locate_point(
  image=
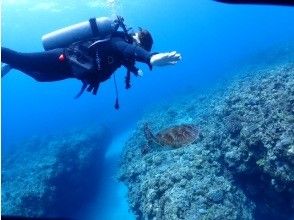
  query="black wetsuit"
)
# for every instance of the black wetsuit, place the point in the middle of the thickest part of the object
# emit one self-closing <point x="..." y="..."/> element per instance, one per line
<point x="55" y="64"/>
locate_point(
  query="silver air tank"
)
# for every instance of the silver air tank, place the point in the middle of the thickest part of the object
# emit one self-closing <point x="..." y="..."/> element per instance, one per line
<point x="78" y="32"/>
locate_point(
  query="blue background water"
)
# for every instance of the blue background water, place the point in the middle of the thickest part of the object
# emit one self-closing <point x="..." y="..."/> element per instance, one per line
<point x="210" y="36"/>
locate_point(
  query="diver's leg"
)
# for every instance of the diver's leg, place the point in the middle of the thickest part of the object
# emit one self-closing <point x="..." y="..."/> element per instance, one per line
<point x="5" y="69"/>
<point x="44" y="66"/>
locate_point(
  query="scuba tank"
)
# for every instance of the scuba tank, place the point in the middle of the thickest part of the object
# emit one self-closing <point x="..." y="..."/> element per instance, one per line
<point x="99" y="28"/>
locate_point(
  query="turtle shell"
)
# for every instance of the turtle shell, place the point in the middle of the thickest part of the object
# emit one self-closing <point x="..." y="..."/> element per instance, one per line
<point x="178" y="135"/>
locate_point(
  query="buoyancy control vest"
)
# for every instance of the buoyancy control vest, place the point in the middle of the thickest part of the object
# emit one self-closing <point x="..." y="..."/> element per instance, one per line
<point x="94" y="62"/>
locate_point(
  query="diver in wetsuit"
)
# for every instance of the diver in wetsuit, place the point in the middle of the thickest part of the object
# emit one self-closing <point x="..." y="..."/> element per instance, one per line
<point x="92" y="58"/>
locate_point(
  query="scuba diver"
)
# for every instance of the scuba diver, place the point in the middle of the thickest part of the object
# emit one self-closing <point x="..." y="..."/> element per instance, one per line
<point x="89" y="51"/>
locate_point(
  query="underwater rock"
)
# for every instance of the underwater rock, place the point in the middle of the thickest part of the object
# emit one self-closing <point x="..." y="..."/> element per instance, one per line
<point x="265" y="138"/>
<point x="181" y="184"/>
<point x="54" y="176"/>
<point x="241" y="168"/>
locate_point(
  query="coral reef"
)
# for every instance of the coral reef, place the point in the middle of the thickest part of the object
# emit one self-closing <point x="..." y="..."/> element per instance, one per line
<point x="54" y="176"/>
<point x="257" y="124"/>
<point x="240" y="168"/>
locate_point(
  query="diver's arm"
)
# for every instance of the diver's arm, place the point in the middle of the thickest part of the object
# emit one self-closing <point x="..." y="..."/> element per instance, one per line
<point x="136" y="52"/>
<point x="156" y="59"/>
<point x="163" y="59"/>
<point x="133" y="51"/>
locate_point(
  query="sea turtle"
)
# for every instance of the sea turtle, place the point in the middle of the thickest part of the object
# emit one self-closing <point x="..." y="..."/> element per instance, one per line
<point x="174" y="136"/>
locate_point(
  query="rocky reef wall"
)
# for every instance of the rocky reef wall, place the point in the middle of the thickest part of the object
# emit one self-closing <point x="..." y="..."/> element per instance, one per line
<point x="241" y="167"/>
<point x="54" y="176"/>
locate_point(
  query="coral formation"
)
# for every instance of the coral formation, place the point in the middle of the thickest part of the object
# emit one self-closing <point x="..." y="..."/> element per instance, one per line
<point x="240" y="168"/>
<point x="258" y="154"/>
<point x="54" y="176"/>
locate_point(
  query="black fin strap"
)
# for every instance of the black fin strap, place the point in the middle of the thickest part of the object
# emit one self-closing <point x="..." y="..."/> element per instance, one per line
<point x="82" y="90"/>
<point x="94" y="27"/>
<point x="116" y="105"/>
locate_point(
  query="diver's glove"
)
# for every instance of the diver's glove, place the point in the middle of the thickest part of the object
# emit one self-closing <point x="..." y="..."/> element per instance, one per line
<point x="163" y="59"/>
<point x="140" y="73"/>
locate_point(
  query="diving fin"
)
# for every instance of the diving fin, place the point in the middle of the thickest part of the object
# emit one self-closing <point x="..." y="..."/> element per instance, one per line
<point x="5" y="69"/>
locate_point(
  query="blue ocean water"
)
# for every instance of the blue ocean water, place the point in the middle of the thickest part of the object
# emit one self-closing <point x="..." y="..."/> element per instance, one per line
<point x="210" y="36"/>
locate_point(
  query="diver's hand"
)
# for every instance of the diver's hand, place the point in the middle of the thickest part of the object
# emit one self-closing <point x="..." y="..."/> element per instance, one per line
<point x="163" y="59"/>
<point x="140" y="73"/>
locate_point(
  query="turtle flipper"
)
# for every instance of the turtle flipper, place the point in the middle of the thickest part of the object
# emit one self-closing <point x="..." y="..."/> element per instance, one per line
<point x="149" y="135"/>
